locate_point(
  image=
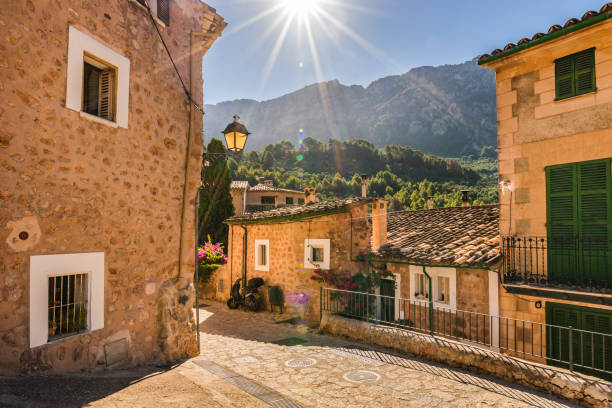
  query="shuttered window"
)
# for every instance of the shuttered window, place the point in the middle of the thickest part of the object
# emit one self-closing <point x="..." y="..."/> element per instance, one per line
<point x="587" y="348"/>
<point x="579" y="221"/>
<point x="575" y="74"/>
<point x="163" y="11"/>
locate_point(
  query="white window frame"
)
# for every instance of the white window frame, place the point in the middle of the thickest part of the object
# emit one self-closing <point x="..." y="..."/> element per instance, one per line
<point x="258" y="265"/>
<point x="79" y="44"/>
<point x="435" y="272"/>
<point x="44" y="266"/>
<point x="317" y="243"/>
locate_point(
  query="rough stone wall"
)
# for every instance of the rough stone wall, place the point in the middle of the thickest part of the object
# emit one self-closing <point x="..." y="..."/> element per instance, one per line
<point x="287" y="255"/>
<point x="580" y="389"/>
<point x="473" y="290"/>
<point x="82" y="186"/>
<point x="238" y="200"/>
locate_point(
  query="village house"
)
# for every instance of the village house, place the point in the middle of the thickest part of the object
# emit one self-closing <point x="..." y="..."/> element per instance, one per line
<point x="554" y="103"/>
<point x="458" y="248"/>
<point x="265" y="196"/>
<point x="100" y="149"/>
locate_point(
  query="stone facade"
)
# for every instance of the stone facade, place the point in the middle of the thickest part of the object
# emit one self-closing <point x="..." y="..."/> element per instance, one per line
<point x="535" y="130"/>
<point x="287" y="267"/>
<point x="74" y="184"/>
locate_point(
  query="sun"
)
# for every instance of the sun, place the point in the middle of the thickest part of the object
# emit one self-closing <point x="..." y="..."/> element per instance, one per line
<point x="301" y="8"/>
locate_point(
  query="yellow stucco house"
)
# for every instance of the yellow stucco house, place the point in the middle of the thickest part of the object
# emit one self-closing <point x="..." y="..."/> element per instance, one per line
<point x="554" y="104"/>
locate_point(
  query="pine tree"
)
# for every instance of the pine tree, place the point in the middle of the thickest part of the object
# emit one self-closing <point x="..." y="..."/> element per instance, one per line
<point x="215" y="199"/>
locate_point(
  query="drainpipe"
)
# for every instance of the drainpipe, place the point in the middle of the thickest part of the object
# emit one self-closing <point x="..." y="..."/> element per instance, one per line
<point x="430" y="299"/>
<point x="244" y="255"/>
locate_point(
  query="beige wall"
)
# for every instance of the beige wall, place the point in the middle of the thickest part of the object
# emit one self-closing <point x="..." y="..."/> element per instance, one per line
<point x="287" y="254"/>
<point x="81" y="186"/>
<point x="535" y="131"/>
<point x="238" y="200"/>
<point x="254" y="197"/>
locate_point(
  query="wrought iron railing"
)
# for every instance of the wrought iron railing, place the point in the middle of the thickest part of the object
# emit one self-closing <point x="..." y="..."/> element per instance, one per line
<point x="575" y="263"/>
<point x="590" y="352"/>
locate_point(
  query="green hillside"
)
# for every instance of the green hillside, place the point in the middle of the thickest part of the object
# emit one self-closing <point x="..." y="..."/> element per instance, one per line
<point x="401" y="174"/>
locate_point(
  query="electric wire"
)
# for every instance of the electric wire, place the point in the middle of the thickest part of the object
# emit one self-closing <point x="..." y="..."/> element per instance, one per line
<point x="187" y="93"/>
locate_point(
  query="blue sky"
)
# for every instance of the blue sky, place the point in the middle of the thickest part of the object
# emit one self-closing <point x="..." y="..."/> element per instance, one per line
<point x="364" y="40"/>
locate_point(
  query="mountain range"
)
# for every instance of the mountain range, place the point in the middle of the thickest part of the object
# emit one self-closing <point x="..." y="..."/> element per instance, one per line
<point x="448" y="110"/>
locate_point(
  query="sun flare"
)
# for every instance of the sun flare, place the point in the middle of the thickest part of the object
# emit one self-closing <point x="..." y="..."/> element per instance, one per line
<point x="300" y="8"/>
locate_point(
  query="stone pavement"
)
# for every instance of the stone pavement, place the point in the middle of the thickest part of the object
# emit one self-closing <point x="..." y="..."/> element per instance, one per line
<point x="320" y="371"/>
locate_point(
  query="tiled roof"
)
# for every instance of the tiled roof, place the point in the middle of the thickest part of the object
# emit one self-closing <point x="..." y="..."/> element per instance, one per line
<point x="310" y="209"/>
<point x="263" y="187"/>
<point x="446" y="236"/>
<point x="573" y="24"/>
<point x="239" y="185"/>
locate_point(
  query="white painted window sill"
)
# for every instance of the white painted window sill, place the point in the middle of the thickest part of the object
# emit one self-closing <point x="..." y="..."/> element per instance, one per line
<point x="262" y="268"/>
<point x="82" y="333"/>
<point x="97" y="119"/>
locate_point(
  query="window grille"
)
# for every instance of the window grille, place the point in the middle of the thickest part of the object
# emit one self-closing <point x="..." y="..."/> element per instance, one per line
<point x="67" y="305"/>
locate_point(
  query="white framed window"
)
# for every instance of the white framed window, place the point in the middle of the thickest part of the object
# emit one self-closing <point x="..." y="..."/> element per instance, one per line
<point x="66" y="295"/>
<point x="316" y="253"/>
<point x="421" y="290"/>
<point x="262" y="255"/>
<point x="442" y="290"/>
<point x="98" y="80"/>
<point x="443" y="282"/>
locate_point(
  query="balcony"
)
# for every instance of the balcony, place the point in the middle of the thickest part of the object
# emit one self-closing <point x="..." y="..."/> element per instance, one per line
<point x="571" y="267"/>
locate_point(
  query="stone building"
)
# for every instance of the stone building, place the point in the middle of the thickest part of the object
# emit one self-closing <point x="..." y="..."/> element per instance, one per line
<point x="100" y="151"/>
<point x="554" y="101"/>
<point x="285" y="245"/>
<point x="457" y="247"/>
<point x="264" y="196"/>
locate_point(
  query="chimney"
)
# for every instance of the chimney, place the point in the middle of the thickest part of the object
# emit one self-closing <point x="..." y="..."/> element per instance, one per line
<point x="379" y="224"/>
<point x="268" y="183"/>
<point x="430" y="203"/>
<point x="310" y="195"/>
<point x="364" y="179"/>
<point x="464" y="198"/>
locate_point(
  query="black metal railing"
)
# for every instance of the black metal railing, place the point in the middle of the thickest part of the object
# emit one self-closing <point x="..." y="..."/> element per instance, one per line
<point x="579" y="350"/>
<point x="577" y="263"/>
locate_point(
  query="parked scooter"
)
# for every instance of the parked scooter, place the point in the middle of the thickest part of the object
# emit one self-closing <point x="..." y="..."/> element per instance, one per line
<point x="248" y="296"/>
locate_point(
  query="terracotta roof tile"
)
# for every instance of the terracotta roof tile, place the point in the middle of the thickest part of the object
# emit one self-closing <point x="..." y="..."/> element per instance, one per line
<point x="606" y="8"/>
<point x="310" y="209"/>
<point x="455" y="236"/>
<point x="239" y="185"/>
<point x="263" y="187"/>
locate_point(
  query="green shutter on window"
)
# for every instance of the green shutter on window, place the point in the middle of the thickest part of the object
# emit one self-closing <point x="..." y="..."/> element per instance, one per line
<point x="564" y="77"/>
<point x="562" y="221"/>
<point x="575" y="74"/>
<point x="595" y="218"/>
<point x="587" y="348"/>
<point x="579" y="221"/>
<point x="584" y="72"/>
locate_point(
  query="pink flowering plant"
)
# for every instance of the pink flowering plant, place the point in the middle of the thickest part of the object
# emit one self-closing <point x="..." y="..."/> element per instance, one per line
<point x="210" y="258"/>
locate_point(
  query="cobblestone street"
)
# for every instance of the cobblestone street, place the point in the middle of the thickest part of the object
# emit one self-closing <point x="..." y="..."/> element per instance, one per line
<point x="319" y="371"/>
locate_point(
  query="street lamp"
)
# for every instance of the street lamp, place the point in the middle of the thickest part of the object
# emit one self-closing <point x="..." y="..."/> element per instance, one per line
<point x="236" y="135"/>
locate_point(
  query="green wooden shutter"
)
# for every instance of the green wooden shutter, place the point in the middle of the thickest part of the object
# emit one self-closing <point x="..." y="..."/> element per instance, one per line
<point x="593" y="344"/>
<point x="562" y="318"/>
<point x="562" y="221"/>
<point x="564" y="77"/>
<point x="595" y="221"/>
<point x="584" y="72"/>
